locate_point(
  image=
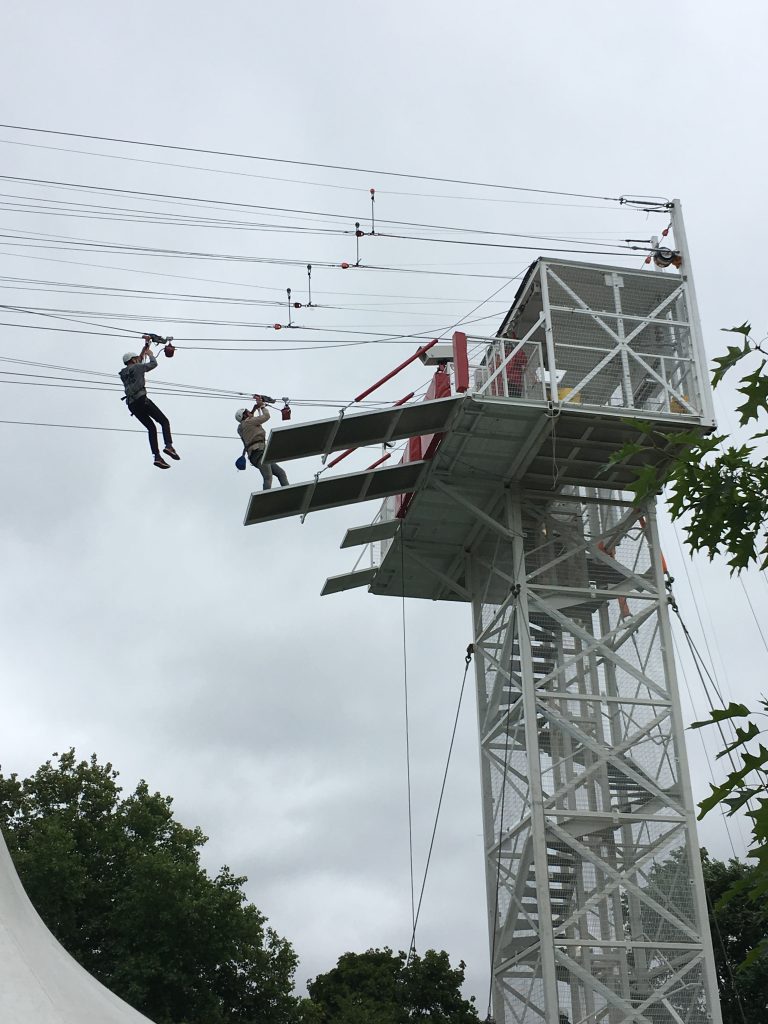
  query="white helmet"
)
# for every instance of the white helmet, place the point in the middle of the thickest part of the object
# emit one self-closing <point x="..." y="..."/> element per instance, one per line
<point x="239" y="415"/>
<point x="129" y="356"/>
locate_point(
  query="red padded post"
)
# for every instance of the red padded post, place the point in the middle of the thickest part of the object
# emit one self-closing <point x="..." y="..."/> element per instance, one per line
<point x="460" y="362"/>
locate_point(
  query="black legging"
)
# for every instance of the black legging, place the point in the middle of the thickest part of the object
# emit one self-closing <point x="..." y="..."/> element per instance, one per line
<point x="145" y="411"/>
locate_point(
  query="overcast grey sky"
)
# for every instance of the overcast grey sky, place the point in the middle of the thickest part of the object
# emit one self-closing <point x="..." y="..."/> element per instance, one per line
<point x="139" y="618"/>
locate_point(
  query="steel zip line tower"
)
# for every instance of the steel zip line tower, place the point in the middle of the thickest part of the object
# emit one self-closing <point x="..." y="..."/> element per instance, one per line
<point x="596" y="902"/>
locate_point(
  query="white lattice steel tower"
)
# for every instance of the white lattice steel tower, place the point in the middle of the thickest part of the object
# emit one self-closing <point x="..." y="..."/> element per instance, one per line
<point x="596" y="900"/>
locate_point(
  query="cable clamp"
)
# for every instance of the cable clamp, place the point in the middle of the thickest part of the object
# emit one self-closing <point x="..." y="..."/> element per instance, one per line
<point x="470" y="652"/>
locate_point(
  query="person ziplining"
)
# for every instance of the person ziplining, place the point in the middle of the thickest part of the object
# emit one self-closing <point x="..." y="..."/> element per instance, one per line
<point x="141" y="406"/>
<point x="252" y="434"/>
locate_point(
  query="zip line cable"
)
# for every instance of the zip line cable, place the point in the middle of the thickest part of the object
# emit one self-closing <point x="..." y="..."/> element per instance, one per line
<point x="465" y="319"/>
<point x="724" y="816"/>
<point x="63" y="313"/>
<point x="358" y="334"/>
<point x="17" y="237"/>
<point x="407" y="733"/>
<point x="301" y="181"/>
<point x="224" y="392"/>
<point x="155" y="317"/>
<point x="313" y="217"/>
<point x="196" y="297"/>
<point x="467" y="660"/>
<point x="180" y="391"/>
<point x="704" y="632"/>
<point x="53" y="316"/>
<point x="704" y="747"/>
<point x="181" y="277"/>
<point x="41" y="240"/>
<point x="116" y="249"/>
<point x="702" y="670"/>
<point x="307" y="163"/>
<point x="272" y="344"/>
<point x="115" y="430"/>
<point x="754" y="615"/>
<point x="125" y="215"/>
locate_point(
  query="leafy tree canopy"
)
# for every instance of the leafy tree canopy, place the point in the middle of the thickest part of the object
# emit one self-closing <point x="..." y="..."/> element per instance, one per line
<point x="720" y="489"/>
<point x="119" y="883"/>
<point x="382" y="987"/>
<point x="739" y="926"/>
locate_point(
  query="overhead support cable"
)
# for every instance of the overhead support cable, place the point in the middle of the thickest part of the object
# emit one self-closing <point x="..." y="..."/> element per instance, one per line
<point x="312" y="218"/>
<point x="309" y="163"/>
<point x="407" y="732"/>
<point x="467" y="661"/>
<point x="115" y="430"/>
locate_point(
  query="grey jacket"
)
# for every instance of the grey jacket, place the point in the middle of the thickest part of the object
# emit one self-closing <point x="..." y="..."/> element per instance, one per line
<point x="133" y="379"/>
<point x="252" y="432"/>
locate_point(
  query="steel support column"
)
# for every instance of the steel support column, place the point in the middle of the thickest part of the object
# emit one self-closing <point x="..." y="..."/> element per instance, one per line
<point x="595" y="894"/>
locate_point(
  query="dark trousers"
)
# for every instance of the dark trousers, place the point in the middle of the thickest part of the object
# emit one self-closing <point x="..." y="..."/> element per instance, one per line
<point x="145" y="411"/>
<point x="267" y="469"/>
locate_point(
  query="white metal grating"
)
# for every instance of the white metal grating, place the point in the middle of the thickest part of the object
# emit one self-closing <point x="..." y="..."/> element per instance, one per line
<point x="592" y="337"/>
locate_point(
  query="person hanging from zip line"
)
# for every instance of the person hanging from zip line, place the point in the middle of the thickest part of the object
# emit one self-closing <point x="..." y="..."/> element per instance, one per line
<point x="252" y="434"/>
<point x="143" y="408"/>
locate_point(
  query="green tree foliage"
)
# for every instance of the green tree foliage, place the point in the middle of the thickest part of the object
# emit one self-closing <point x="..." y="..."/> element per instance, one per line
<point x="382" y="987"/>
<point x="720" y="491"/>
<point x="119" y="883"/>
<point x="745" y="785"/>
<point x="739" y="926"/>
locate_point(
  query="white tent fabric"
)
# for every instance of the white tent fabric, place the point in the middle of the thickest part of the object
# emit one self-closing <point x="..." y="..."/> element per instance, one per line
<point x="40" y="983"/>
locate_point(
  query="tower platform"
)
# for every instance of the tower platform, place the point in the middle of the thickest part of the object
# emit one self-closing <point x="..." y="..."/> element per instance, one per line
<point x="488" y="445"/>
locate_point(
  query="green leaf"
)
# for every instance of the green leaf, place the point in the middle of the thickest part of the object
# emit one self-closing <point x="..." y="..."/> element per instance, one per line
<point x="754" y="955"/>
<point x="745" y="329"/>
<point x="734" y="354"/>
<point x="743" y="736"/>
<point x="646" y="483"/>
<point x="642" y="425"/>
<point x="755" y="389"/>
<point x="625" y="452"/>
<point x="722" y="714"/>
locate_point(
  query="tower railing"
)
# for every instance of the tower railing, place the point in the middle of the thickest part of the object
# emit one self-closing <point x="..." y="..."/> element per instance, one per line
<point x="589" y="336"/>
